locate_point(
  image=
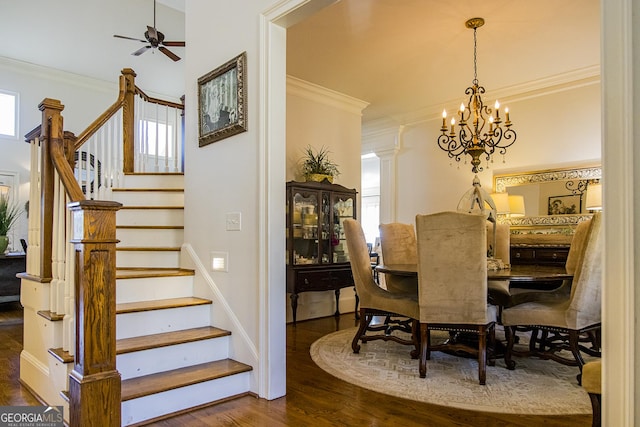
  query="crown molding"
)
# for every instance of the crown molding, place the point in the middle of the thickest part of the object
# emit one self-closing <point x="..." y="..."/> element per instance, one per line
<point x="53" y="74"/>
<point x="322" y="95"/>
<point x="536" y="88"/>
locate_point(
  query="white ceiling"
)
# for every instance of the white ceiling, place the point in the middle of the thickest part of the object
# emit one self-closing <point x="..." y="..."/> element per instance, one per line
<point x="77" y="36"/>
<point x="407" y="55"/>
<point x="398" y="55"/>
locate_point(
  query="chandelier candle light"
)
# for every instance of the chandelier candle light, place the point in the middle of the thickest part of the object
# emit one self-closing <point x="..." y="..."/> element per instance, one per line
<point x="479" y="132"/>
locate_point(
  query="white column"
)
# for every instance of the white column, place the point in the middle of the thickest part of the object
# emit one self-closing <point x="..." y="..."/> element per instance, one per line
<point x="386" y="144"/>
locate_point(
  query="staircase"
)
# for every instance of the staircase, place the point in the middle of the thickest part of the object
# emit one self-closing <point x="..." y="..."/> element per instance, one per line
<point x="168" y="354"/>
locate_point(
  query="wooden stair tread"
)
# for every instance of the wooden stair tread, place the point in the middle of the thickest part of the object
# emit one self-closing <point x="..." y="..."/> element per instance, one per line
<point x="153" y="173"/>
<point x="128" y="345"/>
<point x="152" y="190"/>
<point x="132" y="307"/>
<point x="61" y="355"/>
<point x="151" y="207"/>
<point x="164" y="381"/>
<point x="49" y="315"/>
<point x="148" y="248"/>
<point x="150" y="227"/>
<point x="141" y="272"/>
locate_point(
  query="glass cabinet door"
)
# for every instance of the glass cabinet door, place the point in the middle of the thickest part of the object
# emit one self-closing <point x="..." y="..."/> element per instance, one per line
<point x="343" y="208"/>
<point x="305" y="228"/>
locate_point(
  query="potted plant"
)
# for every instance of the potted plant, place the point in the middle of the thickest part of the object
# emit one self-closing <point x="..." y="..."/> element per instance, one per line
<point x="8" y="217"/>
<point x="316" y="165"/>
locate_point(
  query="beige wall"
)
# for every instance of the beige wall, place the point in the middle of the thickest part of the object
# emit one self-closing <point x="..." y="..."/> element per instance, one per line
<point x="320" y="117"/>
<point x="554" y="129"/>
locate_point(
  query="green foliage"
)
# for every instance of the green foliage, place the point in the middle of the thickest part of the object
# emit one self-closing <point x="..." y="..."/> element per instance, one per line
<point x="318" y="162"/>
<point x="8" y="215"/>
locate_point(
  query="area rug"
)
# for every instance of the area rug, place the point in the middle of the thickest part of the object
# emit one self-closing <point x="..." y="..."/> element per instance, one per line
<point x="538" y="387"/>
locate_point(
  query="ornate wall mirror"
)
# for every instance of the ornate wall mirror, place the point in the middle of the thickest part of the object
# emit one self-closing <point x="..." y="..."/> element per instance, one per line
<point x="554" y="199"/>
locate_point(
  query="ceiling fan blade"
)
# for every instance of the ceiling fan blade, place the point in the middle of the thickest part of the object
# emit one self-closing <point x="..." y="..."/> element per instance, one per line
<point x="176" y="44"/>
<point x="141" y="51"/>
<point x="169" y="53"/>
<point x="129" y="38"/>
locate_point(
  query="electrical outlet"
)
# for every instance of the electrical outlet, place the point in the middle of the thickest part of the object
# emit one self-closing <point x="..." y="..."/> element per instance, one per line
<point x="234" y="221"/>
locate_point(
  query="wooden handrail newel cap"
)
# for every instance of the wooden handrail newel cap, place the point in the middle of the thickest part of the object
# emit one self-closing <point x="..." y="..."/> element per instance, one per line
<point x="50" y="103"/>
<point x="102" y="205"/>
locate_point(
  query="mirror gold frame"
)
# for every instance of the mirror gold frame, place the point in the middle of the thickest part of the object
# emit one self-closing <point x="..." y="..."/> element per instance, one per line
<point x="556" y="223"/>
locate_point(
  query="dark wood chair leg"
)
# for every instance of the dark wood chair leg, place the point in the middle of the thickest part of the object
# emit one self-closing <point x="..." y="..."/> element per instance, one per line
<point x="492" y="346"/>
<point x="595" y="404"/>
<point x="510" y="332"/>
<point x="416" y="338"/>
<point x="482" y="355"/>
<point x="424" y="350"/>
<point x="365" y="319"/>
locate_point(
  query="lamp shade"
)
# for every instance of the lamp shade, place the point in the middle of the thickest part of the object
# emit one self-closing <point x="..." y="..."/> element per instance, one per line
<point x="502" y="202"/>
<point x="594" y="197"/>
<point x="516" y="205"/>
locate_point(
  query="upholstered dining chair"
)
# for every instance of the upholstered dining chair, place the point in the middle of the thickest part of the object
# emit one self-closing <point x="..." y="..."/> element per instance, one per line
<point x="452" y="283"/>
<point x="375" y="301"/>
<point x="563" y="292"/>
<point x="565" y="319"/>
<point x="499" y="290"/>
<point x="398" y="243"/>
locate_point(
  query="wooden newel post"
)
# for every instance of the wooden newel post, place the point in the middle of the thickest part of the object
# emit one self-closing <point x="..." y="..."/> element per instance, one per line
<point x="128" y="119"/>
<point x="52" y="128"/>
<point x="94" y="382"/>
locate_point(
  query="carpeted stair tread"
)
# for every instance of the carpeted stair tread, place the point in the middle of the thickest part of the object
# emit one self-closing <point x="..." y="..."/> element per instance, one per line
<point x="128" y="345"/>
<point x="132" y="307"/>
<point x="163" y="381"/>
<point x="142" y="272"/>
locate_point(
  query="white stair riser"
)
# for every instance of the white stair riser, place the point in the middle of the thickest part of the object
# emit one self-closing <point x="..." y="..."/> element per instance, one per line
<point x="150" y="237"/>
<point x="150" y="217"/>
<point x="157" y="321"/>
<point x="149" y="198"/>
<point x="155" y="259"/>
<point x="148" y="407"/>
<point x="153" y="288"/>
<point x="136" y="364"/>
<point x="153" y="181"/>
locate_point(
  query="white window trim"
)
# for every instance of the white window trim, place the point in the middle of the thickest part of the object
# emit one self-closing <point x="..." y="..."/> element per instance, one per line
<point x="16" y="96"/>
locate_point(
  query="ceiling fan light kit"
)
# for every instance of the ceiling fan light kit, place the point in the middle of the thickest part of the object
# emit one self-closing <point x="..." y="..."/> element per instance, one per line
<point x="155" y="40"/>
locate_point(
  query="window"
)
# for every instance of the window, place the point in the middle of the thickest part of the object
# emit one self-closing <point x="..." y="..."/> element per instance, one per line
<point x="370" y="199"/>
<point x="159" y="138"/>
<point x="8" y="114"/>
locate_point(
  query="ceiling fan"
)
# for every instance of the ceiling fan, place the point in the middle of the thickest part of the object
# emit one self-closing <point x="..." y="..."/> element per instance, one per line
<point x="155" y="39"/>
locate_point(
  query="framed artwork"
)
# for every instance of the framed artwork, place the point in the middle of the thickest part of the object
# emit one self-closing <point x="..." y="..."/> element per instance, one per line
<point x="222" y="101"/>
<point x="570" y="204"/>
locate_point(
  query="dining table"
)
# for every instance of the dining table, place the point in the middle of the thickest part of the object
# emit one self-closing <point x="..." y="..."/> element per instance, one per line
<point x="526" y="278"/>
<point x="532" y="277"/>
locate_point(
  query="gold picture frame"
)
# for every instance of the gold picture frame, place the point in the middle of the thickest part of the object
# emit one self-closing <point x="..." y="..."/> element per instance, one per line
<point x="222" y="101"/>
<point x="565" y="223"/>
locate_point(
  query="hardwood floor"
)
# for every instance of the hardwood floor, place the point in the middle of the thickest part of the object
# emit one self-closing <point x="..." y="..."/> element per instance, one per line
<point x="314" y="398"/>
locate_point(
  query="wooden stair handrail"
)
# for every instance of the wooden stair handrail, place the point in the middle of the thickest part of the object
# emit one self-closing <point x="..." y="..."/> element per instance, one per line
<point x="158" y="101"/>
<point x="126" y="80"/>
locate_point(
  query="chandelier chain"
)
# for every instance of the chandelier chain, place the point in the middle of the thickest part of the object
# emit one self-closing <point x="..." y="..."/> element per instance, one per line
<point x="475" y="57"/>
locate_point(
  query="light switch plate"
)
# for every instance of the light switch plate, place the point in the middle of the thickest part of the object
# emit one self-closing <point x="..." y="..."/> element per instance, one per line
<point x="234" y="221"/>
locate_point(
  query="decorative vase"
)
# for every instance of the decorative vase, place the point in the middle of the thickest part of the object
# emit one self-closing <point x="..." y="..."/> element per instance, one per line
<point x="319" y="177"/>
<point x="4" y="242"/>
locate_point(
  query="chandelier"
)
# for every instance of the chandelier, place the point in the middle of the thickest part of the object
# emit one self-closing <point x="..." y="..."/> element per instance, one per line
<point x="479" y="132"/>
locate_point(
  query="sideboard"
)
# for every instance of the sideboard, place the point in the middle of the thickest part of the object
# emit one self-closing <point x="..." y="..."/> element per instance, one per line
<point x="10" y="265"/>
